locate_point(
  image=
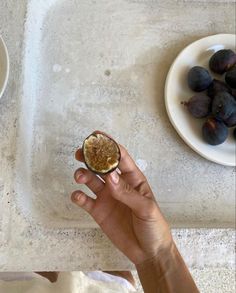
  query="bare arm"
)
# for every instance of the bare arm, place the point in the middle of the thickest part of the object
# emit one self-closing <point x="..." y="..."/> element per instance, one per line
<point x="126" y="210"/>
<point x="166" y="273"/>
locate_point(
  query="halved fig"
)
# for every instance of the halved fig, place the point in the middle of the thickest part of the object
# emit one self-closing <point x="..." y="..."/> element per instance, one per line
<point x="101" y="153"/>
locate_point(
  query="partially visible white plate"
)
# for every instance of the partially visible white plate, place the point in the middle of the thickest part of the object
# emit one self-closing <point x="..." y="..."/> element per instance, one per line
<point x="4" y="66"/>
<point x="177" y="90"/>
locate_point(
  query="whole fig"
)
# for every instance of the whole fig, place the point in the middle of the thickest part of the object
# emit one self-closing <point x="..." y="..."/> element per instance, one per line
<point x="223" y="105"/>
<point x="199" y="79"/>
<point x="222" y="61"/>
<point x="199" y="105"/>
<point x="214" y="131"/>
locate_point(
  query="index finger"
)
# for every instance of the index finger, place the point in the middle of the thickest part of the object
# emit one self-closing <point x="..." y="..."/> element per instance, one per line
<point x="131" y="173"/>
<point x="127" y="164"/>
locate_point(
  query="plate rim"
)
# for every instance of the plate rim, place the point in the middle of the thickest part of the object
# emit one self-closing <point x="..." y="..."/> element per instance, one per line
<point x="186" y="140"/>
<point x="7" y="66"/>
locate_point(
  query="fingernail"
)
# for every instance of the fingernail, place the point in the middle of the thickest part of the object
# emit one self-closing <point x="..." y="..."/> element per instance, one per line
<point x="114" y="177"/>
<point x="79" y="175"/>
<point x="76" y="196"/>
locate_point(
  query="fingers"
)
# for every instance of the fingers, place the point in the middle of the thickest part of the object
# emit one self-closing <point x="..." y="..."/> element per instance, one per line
<point x="127" y="164"/>
<point x="79" y="155"/>
<point x="83" y="201"/>
<point x="130" y="172"/>
<point x="84" y="176"/>
<point x="121" y="191"/>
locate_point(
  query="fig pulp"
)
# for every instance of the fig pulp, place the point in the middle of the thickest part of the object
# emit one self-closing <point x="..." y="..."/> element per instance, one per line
<point x="101" y="153"/>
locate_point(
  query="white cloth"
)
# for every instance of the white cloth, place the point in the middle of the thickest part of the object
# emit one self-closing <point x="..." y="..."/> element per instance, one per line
<point x="101" y="276"/>
<point x="68" y="282"/>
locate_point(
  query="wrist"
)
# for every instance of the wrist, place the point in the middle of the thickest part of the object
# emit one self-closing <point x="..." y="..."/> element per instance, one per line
<point x="163" y="248"/>
<point x="166" y="272"/>
<point x="164" y="253"/>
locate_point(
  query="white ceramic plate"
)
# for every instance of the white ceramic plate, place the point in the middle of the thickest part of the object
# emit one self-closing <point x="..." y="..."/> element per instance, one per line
<point x="4" y="66"/>
<point x="177" y="90"/>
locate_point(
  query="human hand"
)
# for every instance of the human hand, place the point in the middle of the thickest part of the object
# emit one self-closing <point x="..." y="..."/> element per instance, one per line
<point x="125" y="209"/>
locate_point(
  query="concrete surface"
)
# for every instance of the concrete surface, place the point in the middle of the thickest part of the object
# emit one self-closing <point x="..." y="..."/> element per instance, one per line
<point x="27" y="245"/>
<point x="207" y="280"/>
<point x="67" y="93"/>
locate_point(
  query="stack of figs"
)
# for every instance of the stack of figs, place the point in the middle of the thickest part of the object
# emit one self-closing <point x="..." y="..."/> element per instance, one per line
<point x="214" y="99"/>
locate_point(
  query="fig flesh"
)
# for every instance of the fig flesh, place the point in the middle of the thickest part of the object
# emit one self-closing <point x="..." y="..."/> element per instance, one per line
<point x="101" y="153"/>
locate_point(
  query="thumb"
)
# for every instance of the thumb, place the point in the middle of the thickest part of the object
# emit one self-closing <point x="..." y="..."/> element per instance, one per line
<point x="123" y="192"/>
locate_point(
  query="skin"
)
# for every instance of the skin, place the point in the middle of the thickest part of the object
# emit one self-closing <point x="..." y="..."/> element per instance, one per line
<point x="126" y="211"/>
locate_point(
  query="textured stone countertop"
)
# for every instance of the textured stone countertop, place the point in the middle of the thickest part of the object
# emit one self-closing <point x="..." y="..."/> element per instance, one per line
<point x="27" y="248"/>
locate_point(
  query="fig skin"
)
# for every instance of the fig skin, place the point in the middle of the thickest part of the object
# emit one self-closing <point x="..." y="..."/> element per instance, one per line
<point x="214" y="131"/>
<point x="223" y="105"/>
<point x="199" y="105"/>
<point x="86" y="162"/>
<point x="234" y="133"/>
<point x="231" y="121"/>
<point x="217" y="86"/>
<point x="222" y="61"/>
<point x="230" y="78"/>
<point x="198" y="79"/>
<point x="234" y="93"/>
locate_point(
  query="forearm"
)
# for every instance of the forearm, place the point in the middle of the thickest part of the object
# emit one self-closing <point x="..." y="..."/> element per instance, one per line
<point x="166" y="273"/>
